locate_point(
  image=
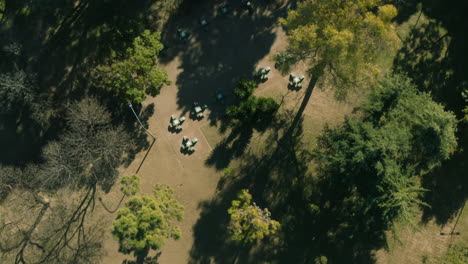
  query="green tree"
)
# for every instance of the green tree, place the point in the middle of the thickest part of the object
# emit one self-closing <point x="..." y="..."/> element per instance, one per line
<point x="135" y="74"/>
<point x="248" y="221"/>
<point x="340" y="41"/>
<point x="245" y="88"/>
<point x="401" y="135"/>
<point x="456" y="254"/>
<point x="146" y="222"/>
<point x="254" y="111"/>
<point x="321" y="260"/>
<point x="341" y="38"/>
<point x="130" y="185"/>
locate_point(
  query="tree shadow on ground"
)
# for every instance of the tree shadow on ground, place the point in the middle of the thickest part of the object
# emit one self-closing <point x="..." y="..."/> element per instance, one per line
<point x="147" y="260"/>
<point x="447" y="185"/>
<point x="231" y="147"/>
<point x="434" y="56"/>
<point x="62" y="42"/>
<point x="279" y="179"/>
<point x="426" y="57"/>
<point x="218" y="54"/>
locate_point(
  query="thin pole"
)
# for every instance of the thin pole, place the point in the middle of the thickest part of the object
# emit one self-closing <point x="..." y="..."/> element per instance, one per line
<point x="141" y="124"/>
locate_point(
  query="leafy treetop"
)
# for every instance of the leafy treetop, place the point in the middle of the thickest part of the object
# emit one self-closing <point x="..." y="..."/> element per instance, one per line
<point x="131" y="184"/>
<point x="135" y="74"/>
<point x="344" y="38"/>
<point x="146" y="221"/>
<point x="249" y="222"/>
<point x="403" y="134"/>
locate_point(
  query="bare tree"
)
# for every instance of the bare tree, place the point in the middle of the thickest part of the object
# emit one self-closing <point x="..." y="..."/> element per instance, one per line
<point x="36" y="230"/>
<point x="89" y="152"/>
<point x="16" y="90"/>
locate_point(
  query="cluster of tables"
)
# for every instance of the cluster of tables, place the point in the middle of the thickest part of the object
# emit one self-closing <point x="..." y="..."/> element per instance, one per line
<point x="189" y="145"/>
<point x="295" y="81"/>
<point x="175" y="124"/>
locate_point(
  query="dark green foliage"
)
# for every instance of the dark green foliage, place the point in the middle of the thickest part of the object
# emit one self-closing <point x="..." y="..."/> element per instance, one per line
<point x="403" y="134"/>
<point x="135" y="74"/>
<point x="396" y="104"/>
<point x="251" y="111"/>
<point x="456" y="254"/>
<point x="254" y="111"/>
<point x="245" y="88"/>
<point x="284" y="61"/>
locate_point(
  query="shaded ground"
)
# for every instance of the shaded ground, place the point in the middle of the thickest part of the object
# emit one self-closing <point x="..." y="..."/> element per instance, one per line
<point x="213" y="59"/>
<point x="197" y="185"/>
<point x="62" y="41"/>
<point x="433" y="54"/>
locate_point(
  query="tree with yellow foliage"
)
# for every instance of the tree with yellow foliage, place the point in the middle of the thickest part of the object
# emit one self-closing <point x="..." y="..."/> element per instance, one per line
<point x="248" y="221"/>
<point x="340" y="40"/>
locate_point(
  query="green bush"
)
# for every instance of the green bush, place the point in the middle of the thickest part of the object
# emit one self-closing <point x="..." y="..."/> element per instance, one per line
<point x="456" y="254"/>
<point x="245" y="88"/>
<point x="254" y="111"/>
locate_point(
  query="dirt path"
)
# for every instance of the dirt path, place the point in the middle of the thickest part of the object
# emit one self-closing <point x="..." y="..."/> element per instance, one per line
<point x="191" y="179"/>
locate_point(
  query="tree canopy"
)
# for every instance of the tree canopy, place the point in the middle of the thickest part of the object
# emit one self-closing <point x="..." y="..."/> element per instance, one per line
<point x="135" y="74"/>
<point x="456" y="254"/>
<point x="248" y="221"/>
<point x="251" y="110"/>
<point x="89" y="152"/>
<point x="130" y="185"/>
<point x="342" y="38"/>
<point x="146" y="221"/>
<point x="403" y="134"/>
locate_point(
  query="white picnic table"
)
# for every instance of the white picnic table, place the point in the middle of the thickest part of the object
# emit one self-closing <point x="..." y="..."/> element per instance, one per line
<point x="175" y="122"/>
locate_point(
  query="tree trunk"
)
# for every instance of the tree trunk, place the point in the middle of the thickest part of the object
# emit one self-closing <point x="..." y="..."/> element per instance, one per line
<point x="318" y="70"/>
<point x="140" y="259"/>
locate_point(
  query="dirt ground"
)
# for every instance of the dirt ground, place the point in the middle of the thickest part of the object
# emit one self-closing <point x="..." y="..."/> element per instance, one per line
<point x="211" y="61"/>
<point x="193" y="181"/>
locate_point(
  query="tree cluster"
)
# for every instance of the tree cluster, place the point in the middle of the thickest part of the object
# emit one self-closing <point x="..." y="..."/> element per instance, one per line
<point x="380" y="157"/>
<point x="252" y="111"/>
<point x="84" y="157"/>
<point x="340" y="40"/>
<point x="146" y="222"/>
<point x="249" y="222"/>
<point x="133" y="75"/>
<point x="89" y="152"/>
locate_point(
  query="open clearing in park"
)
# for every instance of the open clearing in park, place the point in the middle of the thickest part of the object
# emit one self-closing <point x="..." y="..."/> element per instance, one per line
<point x="326" y="189"/>
<point x="212" y="61"/>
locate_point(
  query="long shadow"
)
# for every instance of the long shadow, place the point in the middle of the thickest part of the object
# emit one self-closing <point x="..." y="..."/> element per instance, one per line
<point x="219" y="53"/>
<point x="62" y="42"/>
<point x="427" y="58"/>
<point x="447" y="185"/>
<point x="434" y="55"/>
<point x="279" y="179"/>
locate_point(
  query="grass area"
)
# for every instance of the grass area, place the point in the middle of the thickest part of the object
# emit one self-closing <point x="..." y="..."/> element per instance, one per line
<point x="426" y="56"/>
<point x="274" y="169"/>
